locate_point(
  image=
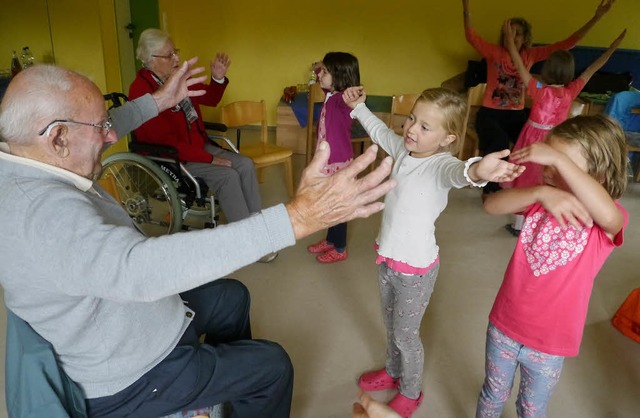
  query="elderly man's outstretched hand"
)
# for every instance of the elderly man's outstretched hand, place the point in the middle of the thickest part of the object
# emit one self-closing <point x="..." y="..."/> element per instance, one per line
<point x="325" y="200"/>
<point x="177" y="86"/>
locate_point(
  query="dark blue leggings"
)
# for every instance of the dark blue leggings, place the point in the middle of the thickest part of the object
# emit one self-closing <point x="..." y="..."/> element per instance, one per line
<point x="337" y="235"/>
<point x="254" y="376"/>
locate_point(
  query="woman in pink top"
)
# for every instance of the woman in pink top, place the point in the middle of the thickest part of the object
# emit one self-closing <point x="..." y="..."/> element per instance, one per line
<point x="502" y="115"/>
<point x="552" y="98"/>
<point x="573" y="222"/>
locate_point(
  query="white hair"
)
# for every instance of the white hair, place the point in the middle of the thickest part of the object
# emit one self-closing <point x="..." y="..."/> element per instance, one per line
<point x="150" y="42"/>
<point x="43" y="96"/>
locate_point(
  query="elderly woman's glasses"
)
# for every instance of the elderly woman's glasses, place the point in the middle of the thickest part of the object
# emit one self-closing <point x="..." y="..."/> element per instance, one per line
<point x="104" y="127"/>
<point x="173" y="54"/>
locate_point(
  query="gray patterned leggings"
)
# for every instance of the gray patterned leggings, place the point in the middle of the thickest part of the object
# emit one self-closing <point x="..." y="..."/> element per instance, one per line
<point x="404" y="299"/>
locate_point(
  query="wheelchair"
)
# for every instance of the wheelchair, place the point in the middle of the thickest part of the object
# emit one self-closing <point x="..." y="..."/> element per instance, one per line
<point x="155" y="188"/>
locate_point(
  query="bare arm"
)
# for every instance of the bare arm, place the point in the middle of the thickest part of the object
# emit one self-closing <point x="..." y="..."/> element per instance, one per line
<point x="509" y="36"/>
<point x="602" y="59"/>
<point x="466" y="15"/>
<point x="590" y="193"/>
<point x="601" y="10"/>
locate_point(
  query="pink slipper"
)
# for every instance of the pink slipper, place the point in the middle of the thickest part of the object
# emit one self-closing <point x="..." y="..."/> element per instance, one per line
<point x="405" y="406"/>
<point x="320" y="247"/>
<point x="377" y="380"/>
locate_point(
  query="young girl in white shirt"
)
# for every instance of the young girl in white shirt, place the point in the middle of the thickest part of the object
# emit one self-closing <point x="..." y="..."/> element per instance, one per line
<point x="425" y="171"/>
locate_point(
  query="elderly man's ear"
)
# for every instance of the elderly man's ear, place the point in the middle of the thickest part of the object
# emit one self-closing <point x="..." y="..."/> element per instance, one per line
<point x="58" y="141"/>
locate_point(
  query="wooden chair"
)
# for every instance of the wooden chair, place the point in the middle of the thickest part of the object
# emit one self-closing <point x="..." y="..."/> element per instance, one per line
<point x="242" y="113"/>
<point x="401" y="106"/>
<point x="469" y="139"/>
<point x="316" y="95"/>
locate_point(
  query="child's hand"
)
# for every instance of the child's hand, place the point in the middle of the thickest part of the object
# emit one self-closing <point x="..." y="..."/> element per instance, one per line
<point x="539" y="153"/>
<point x="354" y="95"/>
<point x="564" y="207"/>
<point x="493" y="168"/>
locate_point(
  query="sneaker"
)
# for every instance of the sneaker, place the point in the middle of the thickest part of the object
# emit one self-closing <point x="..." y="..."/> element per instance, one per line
<point x="405" y="406"/>
<point x="320" y="247"/>
<point x="332" y="256"/>
<point x="512" y="230"/>
<point x="268" y="258"/>
<point x="378" y="380"/>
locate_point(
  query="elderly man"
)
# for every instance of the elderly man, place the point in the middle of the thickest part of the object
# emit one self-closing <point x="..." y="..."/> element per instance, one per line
<point x="122" y="311"/>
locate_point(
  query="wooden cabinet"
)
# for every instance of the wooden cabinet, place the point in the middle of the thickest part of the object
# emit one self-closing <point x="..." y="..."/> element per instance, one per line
<point x="288" y="131"/>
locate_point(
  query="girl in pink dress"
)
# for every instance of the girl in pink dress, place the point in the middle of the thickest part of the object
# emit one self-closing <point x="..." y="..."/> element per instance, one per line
<point x="552" y="98"/>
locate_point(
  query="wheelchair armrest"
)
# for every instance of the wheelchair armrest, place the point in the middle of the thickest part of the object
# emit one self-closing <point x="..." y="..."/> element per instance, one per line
<point x="227" y="142"/>
<point x="215" y="126"/>
<point x="153" y="149"/>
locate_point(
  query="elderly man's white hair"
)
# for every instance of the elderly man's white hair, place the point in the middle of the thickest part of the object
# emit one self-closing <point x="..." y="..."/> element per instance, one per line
<point x="150" y="42"/>
<point x="43" y="95"/>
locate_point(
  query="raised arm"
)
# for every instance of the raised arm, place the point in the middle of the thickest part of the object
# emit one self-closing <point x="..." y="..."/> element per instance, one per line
<point x="466" y="15"/>
<point x="601" y="10"/>
<point x="509" y="36"/>
<point x="602" y="59"/>
<point x="599" y="205"/>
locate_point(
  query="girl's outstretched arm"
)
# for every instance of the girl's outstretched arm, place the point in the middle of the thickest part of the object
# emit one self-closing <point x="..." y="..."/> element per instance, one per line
<point x="509" y="36"/>
<point x="602" y="59"/>
<point x="493" y="168"/>
<point x="586" y="189"/>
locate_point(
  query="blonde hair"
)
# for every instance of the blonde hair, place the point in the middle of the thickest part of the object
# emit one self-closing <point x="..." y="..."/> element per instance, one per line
<point x="453" y="107"/>
<point x="604" y="147"/>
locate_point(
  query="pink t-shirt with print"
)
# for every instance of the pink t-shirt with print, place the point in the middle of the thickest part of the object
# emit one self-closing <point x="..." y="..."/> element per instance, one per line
<point x="543" y="300"/>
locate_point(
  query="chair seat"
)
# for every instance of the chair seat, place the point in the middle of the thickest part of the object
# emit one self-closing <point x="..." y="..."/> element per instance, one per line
<point x="266" y="153"/>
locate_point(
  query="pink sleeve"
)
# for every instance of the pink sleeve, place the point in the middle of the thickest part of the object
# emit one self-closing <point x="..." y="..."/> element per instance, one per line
<point x="491" y="52"/>
<point x="540" y="53"/>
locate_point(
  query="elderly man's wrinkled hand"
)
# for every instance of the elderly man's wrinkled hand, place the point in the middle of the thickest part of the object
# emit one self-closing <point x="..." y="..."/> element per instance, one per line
<point x="325" y="200"/>
<point x="177" y="86"/>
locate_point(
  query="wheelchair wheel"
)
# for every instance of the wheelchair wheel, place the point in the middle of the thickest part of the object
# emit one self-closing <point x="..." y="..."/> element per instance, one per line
<point x="145" y="192"/>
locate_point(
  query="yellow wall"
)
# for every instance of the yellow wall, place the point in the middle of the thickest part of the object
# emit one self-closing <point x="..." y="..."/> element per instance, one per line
<point x="402" y="46"/>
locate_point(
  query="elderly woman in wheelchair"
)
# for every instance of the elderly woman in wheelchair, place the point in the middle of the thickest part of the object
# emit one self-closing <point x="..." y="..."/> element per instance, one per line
<point x="184" y="153"/>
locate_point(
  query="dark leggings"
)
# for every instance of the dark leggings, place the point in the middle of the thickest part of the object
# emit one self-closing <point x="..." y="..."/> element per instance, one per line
<point x="498" y="130"/>
<point x="337" y="235"/>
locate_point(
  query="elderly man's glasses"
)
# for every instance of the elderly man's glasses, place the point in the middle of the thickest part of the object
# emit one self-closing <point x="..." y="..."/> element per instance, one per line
<point x="104" y="127"/>
<point x="173" y="54"/>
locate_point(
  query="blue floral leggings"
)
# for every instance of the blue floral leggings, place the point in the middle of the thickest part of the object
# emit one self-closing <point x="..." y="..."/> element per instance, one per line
<point x="539" y="374"/>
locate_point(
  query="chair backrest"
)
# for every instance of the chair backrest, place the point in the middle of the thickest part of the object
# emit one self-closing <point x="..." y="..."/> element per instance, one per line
<point x="246" y="112"/>
<point x="469" y="138"/>
<point x="316" y="95"/>
<point x="401" y="106"/>
<point x="578" y="107"/>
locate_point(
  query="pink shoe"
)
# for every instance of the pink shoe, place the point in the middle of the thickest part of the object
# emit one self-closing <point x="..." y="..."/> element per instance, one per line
<point x="405" y="406"/>
<point x="377" y="380"/>
<point x="332" y="256"/>
<point x="320" y="247"/>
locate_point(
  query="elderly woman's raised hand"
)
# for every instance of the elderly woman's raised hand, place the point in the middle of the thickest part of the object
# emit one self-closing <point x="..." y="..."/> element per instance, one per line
<point x="220" y="65"/>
